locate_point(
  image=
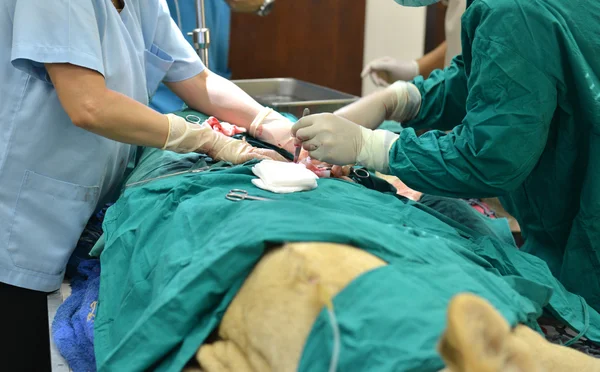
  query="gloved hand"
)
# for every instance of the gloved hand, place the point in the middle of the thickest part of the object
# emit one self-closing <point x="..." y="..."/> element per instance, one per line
<point x="338" y="141"/>
<point x="187" y="137"/>
<point x="387" y="70"/>
<point x="273" y="128"/>
<point x="400" y="101"/>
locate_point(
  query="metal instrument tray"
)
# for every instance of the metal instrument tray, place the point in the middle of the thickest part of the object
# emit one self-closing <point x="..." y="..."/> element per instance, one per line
<point x="292" y="95"/>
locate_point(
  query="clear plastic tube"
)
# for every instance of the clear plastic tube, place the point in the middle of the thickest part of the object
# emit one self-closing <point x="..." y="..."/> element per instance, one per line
<point x="178" y="11"/>
<point x="335" y="353"/>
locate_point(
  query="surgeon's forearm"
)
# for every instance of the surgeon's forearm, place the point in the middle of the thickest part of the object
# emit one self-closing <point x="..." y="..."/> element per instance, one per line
<point x="433" y="60"/>
<point x="123" y="119"/>
<point x="213" y="95"/>
<point x="93" y="107"/>
<point x="369" y="111"/>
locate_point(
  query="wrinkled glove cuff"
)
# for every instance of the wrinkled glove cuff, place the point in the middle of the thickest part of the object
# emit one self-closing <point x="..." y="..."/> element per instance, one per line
<point x="417" y="70"/>
<point x="164" y="147"/>
<point x="258" y="120"/>
<point x="375" y="152"/>
<point x="270" y="127"/>
<point x="408" y="101"/>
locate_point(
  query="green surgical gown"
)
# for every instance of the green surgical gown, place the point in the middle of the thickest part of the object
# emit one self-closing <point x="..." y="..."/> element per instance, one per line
<point x="523" y="103"/>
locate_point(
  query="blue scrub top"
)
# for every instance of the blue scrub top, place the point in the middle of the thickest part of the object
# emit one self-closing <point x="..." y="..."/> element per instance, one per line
<point x="218" y="20"/>
<point x="52" y="173"/>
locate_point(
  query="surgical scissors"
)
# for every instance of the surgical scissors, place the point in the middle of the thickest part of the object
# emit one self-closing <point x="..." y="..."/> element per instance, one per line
<point x="237" y="195"/>
<point x="360" y="172"/>
<point x="357" y="172"/>
<point x="193" y="119"/>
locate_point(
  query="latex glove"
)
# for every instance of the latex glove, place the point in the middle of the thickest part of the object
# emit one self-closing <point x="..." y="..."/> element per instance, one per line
<point x="187" y="137"/>
<point x="384" y="71"/>
<point x="273" y="128"/>
<point x="400" y="101"/>
<point x="338" y="141"/>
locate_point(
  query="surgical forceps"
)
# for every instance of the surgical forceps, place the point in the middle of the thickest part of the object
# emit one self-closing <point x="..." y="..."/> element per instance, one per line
<point x="198" y="170"/>
<point x="306" y="112"/>
<point x="238" y="195"/>
<point x="357" y="172"/>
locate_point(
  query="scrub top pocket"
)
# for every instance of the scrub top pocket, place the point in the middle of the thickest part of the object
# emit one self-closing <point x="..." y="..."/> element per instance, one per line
<point x="157" y="64"/>
<point x="48" y="219"/>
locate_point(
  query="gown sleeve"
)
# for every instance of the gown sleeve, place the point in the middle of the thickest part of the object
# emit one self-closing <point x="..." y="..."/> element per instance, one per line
<point x="509" y="109"/>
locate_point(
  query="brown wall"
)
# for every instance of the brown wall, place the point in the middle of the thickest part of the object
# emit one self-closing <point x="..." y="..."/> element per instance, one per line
<point x="434" y="26"/>
<point x="320" y="41"/>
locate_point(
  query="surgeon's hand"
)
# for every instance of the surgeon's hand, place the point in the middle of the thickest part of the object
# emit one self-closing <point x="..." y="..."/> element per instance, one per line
<point x="338" y="141"/>
<point x="245" y="6"/>
<point x="273" y="128"/>
<point x="187" y="137"/>
<point x="329" y="138"/>
<point x="384" y="71"/>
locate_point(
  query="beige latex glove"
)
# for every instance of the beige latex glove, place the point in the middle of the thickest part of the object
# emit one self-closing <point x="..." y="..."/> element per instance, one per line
<point x="400" y="101"/>
<point x="384" y="71"/>
<point x="271" y="127"/>
<point x="187" y="137"/>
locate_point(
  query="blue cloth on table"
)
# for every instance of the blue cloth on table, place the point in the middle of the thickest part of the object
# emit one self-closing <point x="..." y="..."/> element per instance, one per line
<point x="392" y="126"/>
<point x="73" y="325"/>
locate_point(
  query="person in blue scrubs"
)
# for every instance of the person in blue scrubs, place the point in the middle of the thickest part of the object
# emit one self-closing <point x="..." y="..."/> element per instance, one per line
<point x="75" y="82"/>
<point x="218" y="20"/>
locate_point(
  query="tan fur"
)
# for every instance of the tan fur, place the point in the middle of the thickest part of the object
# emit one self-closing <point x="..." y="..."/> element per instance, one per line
<point x="268" y="322"/>
<point x="478" y="339"/>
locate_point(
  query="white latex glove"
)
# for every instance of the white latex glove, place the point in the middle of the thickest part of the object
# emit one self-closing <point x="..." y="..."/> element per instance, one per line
<point x="384" y="71"/>
<point x="187" y="137"/>
<point x="273" y="128"/>
<point x="338" y="141"/>
<point x="400" y="101"/>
